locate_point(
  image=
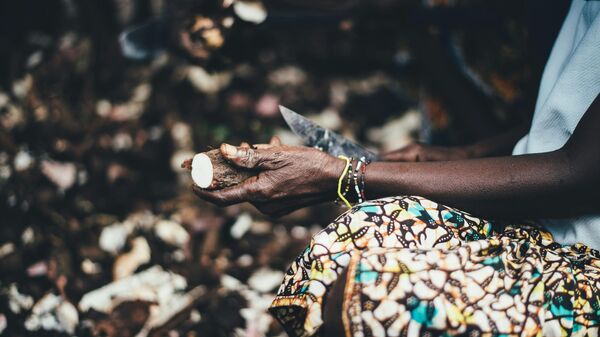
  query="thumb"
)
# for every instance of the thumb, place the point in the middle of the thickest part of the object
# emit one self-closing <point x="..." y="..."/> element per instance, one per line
<point x="399" y="155"/>
<point x="245" y="157"/>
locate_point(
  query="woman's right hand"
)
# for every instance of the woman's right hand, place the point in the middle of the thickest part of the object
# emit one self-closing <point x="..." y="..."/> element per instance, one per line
<point x="289" y="177"/>
<point x="419" y="152"/>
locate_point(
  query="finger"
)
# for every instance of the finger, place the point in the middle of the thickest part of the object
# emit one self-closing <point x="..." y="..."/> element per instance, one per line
<point x="393" y="156"/>
<point x="399" y="155"/>
<point x="275" y="141"/>
<point x="247" y="157"/>
<point x="386" y="156"/>
<point x="241" y="156"/>
<point x="224" y="197"/>
<point x="245" y="145"/>
<point x="262" y="146"/>
<point x="227" y="196"/>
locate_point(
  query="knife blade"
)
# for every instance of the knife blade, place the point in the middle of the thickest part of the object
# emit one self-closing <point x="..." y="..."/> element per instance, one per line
<point x="322" y="138"/>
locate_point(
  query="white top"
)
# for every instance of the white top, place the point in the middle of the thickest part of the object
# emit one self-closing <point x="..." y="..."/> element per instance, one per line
<point x="570" y="83"/>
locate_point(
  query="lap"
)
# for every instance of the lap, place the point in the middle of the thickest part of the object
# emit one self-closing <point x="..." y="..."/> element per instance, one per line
<point x="510" y="284"/>
<point x="386" y="241"/>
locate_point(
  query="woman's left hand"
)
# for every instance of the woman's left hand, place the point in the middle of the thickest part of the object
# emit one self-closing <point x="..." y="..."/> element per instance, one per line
<point x="289" y="178"/>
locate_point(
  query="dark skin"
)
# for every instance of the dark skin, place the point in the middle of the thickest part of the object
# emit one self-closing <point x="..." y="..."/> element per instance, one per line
<point x="507" y="187"/>
<point x="500" y="145"/>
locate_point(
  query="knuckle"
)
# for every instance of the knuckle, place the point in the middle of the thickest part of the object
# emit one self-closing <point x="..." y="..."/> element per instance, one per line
<point x="260" y="163"/>
<point x="264" y="193"/>
<point x="282" y="160"/>
<point x="246" y="156"/>
<point x="253" y="189"/>
<point x="266" y="162"/>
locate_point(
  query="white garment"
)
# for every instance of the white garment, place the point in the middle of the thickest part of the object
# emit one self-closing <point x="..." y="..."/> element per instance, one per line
<point x="570" y="83"/>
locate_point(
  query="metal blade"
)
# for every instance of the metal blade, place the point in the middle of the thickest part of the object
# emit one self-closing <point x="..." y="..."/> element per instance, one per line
<point x="323" y="139"/>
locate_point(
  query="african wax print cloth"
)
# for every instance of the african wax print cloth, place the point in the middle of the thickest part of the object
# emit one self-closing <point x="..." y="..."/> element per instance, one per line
<point x="418" y="268"/>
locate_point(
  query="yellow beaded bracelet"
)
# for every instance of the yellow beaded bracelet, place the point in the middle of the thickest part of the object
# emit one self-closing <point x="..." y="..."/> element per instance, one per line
<point x="341" y="180"/>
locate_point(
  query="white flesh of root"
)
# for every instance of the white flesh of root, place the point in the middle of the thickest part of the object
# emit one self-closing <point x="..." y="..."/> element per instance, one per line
<point x="202" y="170"/>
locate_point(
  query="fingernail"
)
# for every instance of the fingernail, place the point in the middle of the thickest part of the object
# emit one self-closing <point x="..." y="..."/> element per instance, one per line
<point x="229" y="149"/>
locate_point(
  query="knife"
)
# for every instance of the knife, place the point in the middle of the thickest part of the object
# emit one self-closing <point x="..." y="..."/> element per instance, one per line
<point x="322" y="138"/>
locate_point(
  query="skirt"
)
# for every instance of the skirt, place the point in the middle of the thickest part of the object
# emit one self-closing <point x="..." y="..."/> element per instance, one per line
<point x="413" y="267"/>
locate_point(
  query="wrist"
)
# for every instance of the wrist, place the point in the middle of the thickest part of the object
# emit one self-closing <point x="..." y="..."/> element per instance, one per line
<point x="351" y="181"/>
<point x="332" y="170"/>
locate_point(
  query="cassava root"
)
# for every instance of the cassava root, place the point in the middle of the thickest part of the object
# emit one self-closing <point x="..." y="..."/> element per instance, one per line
<point x="210" y="170"/>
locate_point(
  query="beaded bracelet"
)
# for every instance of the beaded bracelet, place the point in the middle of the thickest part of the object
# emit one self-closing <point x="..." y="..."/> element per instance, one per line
<point x="348" y="180"/>
<point x="341" y="195"/>
<point x="348" y="177"/>
<point x="359" y="163"/>
<point x="362" y="178"/>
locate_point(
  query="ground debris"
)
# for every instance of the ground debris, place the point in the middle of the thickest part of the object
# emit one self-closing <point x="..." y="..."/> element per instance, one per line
<point x="100" y="232"/>
<point x="151" y="285"/>
<point x="125" y="320"/>
<point x="172" y="233"/>
<point x="127" y="263"/>
<point x="52" y="312"/>
<point x="18" y="301"/>
<point x="250" y="10"/>
<point x="3" y="323"/>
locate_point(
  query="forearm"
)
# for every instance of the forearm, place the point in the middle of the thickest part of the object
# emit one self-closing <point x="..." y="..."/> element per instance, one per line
<point x="553" y="184"/>
<point x="529" y="186"/>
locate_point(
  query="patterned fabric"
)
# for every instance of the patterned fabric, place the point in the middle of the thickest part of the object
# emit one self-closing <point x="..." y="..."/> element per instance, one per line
<point x="419" y="268"/>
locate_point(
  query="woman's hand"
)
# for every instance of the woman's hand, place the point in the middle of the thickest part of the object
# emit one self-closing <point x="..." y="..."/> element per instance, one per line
<point x="290" y="177"/>
<point x="422" y="152"/>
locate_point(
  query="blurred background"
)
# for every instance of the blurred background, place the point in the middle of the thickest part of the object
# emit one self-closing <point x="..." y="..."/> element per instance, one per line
<point x="101" y="101"/>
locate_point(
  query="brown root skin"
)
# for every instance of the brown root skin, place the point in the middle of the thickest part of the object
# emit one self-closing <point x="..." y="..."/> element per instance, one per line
<point x="225" y="174"/>
<point x="187" y="164"/>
